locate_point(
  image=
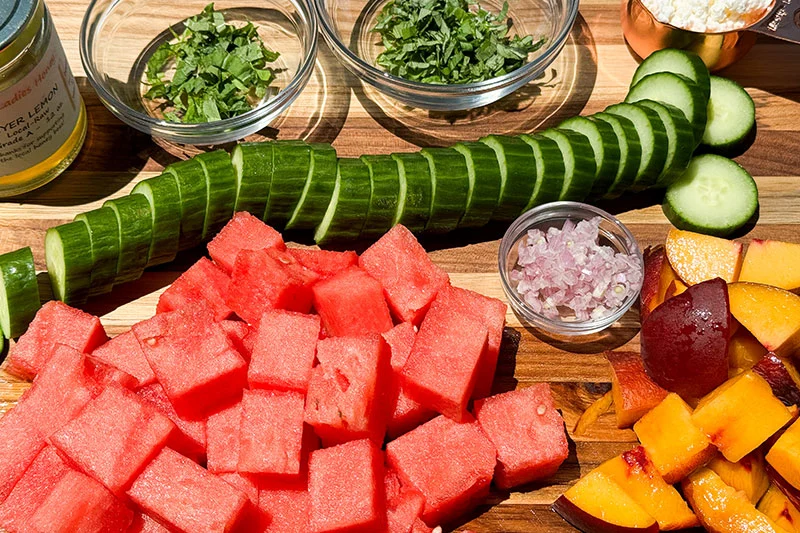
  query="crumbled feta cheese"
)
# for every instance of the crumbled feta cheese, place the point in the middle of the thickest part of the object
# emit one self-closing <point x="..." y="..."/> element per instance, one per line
<point x="708" y="16"/>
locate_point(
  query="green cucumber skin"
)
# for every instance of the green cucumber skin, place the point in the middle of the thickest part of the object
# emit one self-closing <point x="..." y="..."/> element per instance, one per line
<point x="743" y="129"/>
<point x="516" y="170"/>
<point x="193" y="189"/>
<point x="384" y="194"/>
<point x="649" y="171"/>
<point x="21" y="291"/>
<point x="679" y="134"/>
<point x="349" y="210"/>
<point x="450" y="188"/>
<point x="253" y="165"/>
<point x="484" y="182"/>
<point x="579" y="184"/>
<point x="76" y="262"/>
<point x="165" y="204"/>
<point x="661" y="61"/>
<point x="414" y="207"/>
<point x="135" y="235"/>
<point x="630" y="153"/>
<point x="292" y="160"/>
<point x="318" y="188"/>
<point x="104" y="236"/>
<point x="221" y="178"/>
<point x="549" y="168"/>
<point x="606" y="155"/>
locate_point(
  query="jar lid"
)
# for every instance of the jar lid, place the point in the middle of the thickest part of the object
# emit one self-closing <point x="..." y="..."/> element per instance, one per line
<point x="14" y="17"/>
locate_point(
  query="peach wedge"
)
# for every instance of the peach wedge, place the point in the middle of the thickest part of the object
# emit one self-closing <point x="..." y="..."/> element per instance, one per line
<point x="784" y="456"/>
<point x="697" y="258"/>
<point x="749" y="475"/>
<point x="780" y="510"/>
<point x="773" y="263"/>
<point x="772" y="315"/>
<point x="633" y="390"/>
<point x="744" y="351"/>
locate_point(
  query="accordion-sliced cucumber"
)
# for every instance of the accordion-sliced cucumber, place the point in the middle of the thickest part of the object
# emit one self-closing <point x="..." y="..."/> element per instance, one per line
<point x="349" y="203"/>
<point x="165" y="205"/>
<point x="414" y="200"/>
<point x="68" y="253"/>
<point x="483" y="172"/>
<point x="318" y="188"/>
<point x="450" y="186"/>
<point x="221" y="179"/>
<point x="292" y="160"/>
<point x="517" y="175"/>
<point x="384" y="192"/>
<point x="192" y="186"/>
<point x="135" y="235"/>
<point x="104" y="235"/>
<point x="252" y="163"/>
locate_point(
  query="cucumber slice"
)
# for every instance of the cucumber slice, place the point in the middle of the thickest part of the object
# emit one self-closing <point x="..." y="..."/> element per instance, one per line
<point x="349" y="203"/>
<point x="483" y="172"/>
<point x="676" y="61"/>
<point x="221" y="180"/>
<point x="715" y="196"/>
<point x="676" y="90"/>
<point x="550" y="171"/>
<point x="135" y="235"/>
<point x="68" y="254"/>
<point x="19" y="292"/>
<point x="165" y="204"/>
<point x="605" y="145"/>
<point x="579" y="163"/>
<point x="630" y="152"/>
<point x="652" y="139"/>
<point x="516" y="174"/>
<point x="192" y="186"/>
<point x="292" y="161"/>
<point x="680" y="139"/>
<point x="450" y="185"/>
<point x="414" y="201"/>
<point x="318" y="188"/>
<point x="731" y="118"/>
<point x="252" y="163"/>
<point x="104" y="236"/>
<point x="384" y="193"/>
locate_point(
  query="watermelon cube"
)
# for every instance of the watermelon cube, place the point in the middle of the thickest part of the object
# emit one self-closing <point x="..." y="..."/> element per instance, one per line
<point x="271" y="432"/>
<point x="222" y="438"/>
<point x="253" y="518"/>
<point x="104" y="375"/>
<point x="268" y="279"/>
<point x="404" y="505"/>
<point x="408" y="276"/>
<point x="123" y="352"/>
<point x="528" y="433"/>
<point x="182" y="494"/>
<point x="286" y="504"/>
<point x="351" y="304"/>
<point x="241" y="335"/>
<point x="283" y="353"/>
<point x="443" y="367"/>
<point x="55" y="323"/>
<point x="349" y="389"/>
<point x="326" y="263"/>
<point x="114" y="438"/>
<point x="190" y="435"/>
<point x="243" y="232"/>
<point x="193" y="360"/>
<point x="32" y="489"/>
<point x="79" y="504"/>
<point x="345" y="486"/>
<point x="144" y="523"/>
<point x="453" y="473"/>
<point x="492" y="313"/>
<point x="203" y="284"/>
<point x="421" y="527"/>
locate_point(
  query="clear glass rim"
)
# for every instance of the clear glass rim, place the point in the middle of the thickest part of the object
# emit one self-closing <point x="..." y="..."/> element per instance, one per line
<point x="558" y="327"/>
<point x="148" y="124"/>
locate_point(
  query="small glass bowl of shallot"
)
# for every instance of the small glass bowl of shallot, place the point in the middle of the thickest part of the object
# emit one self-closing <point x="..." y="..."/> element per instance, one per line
<point x="570" y="268"/>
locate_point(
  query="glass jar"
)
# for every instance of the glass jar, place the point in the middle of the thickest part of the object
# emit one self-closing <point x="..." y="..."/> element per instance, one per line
<point x="42" y="115"/>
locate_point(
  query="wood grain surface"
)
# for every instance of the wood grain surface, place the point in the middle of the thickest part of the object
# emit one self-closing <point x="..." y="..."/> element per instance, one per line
<point x="592" y="73"/>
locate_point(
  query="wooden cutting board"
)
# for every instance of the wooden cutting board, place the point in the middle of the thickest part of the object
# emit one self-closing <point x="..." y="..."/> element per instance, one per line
<point x="592" y="73"/>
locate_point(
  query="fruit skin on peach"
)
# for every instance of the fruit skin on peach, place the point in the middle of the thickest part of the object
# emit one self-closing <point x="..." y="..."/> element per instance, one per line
<point x="773" y="263"/>
<point x="680" y="450"/>
<point x="722" y="508"/>
<point x="749" y="475"/>
<point x="771" y="314"/>
<point x="597" y="504"/>
<point x="782" y="376"/>
<point x="684" y="341"/>
<point x="658" y="276"/>
<point x="778" y="508"/>
<point x="639" y="478"/>
<point x="697" y="258"/>
<point x="633" y="390"/>
<point x="784" y="455"/>
<point x="741" y="415"/>
<point x="744" y="351"/>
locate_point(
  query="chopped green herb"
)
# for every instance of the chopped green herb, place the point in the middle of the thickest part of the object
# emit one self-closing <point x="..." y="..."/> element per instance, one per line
<point x="443" y="41"/>
<point x="218" y="70"/>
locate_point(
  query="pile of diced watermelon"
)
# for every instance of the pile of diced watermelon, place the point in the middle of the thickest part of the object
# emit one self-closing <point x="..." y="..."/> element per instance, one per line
<point x="262" y="395"/>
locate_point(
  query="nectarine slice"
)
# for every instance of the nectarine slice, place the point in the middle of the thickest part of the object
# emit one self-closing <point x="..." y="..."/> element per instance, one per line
<point x="744" y="351"/>
<point x="679" y="450"/>
<point x="777" y="507"/>
<point x="782" y="376"/>
<point x="784" y="456"/>
<point x="773" y="263"/>
<point x="749" y="475"/>
<point x="593" y="412"/>
<point x="638" y="477"/>
<point x="597" y="504"/>
<point x="771" y="314"/>
<point x="741" y="415"/>
<point x="722" y="508"/>
<point x="658" y="276"/>
<point x="697" y="258"/>
<point x="634" y="392"/>
<point x="675" y="288"/>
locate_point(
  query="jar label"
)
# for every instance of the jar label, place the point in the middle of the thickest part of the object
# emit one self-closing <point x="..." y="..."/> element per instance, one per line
<point x="38" y="113"/>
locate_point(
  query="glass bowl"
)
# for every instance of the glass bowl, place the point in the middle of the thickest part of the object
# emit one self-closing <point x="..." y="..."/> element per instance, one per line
<point x="346" y="26"/>
<point x="118" y="37"/>
<point x="613" y="233"/>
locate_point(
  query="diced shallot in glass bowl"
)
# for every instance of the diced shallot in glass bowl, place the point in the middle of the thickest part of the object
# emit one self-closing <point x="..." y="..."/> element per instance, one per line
<point x="570" y="269"/>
